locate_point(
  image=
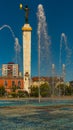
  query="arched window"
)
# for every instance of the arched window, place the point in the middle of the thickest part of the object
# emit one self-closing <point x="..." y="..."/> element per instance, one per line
<point x="13" y="83"/>
<point x="19" y="84"/>
<point x="5" y="83"/>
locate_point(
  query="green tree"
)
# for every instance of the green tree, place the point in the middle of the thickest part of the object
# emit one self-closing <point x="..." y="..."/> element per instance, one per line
<point x="69" y="90"/>
<point x="13" y="94"/>
<point x="2" y="91"/>
<point x="60" y="89"/>
<point x="45" y="90"/>
<point x="22" y="93"/>
<point x="34" y="91"/>
<point x="14" y="88"/>
<point x="64" y="89"/>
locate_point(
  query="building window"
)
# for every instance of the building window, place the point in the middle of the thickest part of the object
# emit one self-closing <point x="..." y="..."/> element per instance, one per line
<point x="13" y="83"/>
<point x="5" y="83"/>
<point x="19" y="84"/>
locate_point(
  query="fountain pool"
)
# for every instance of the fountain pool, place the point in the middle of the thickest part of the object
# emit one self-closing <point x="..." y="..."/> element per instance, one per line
<point x="31" y="115"/>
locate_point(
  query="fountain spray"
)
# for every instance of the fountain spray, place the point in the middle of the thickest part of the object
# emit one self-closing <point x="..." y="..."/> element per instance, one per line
<point x="53" y="80"/>
<point x="43" y="43"/>
<point x="17" y="46"/>
<point x="63" y="75"/>
<point x="67" y="50"/>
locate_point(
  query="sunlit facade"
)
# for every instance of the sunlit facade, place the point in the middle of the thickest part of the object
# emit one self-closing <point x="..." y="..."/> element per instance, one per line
<point x="9" y="82"/>
<point x="10" y="70"/>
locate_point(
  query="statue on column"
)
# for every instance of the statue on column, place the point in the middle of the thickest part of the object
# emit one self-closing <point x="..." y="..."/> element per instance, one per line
<point x="26" y="9"/>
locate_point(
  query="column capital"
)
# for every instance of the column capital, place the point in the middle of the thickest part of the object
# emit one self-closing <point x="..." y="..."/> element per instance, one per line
<point x="26" y="27"/>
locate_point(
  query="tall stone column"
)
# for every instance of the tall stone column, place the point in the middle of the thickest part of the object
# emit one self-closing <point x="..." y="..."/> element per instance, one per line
<point x="26" y="29"/>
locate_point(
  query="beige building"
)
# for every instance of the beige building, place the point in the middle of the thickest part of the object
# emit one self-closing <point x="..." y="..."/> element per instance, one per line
<point x="10" y="70"/>
<point x="49" y="80"/>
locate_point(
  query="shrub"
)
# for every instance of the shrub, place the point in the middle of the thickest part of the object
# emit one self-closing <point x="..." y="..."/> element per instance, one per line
<point x="45" y="90"/>
<point x="13" y="94"/>
<point x="2" y="91"/>
<point x="22" y="93"/>
<point x="34" y="91"/>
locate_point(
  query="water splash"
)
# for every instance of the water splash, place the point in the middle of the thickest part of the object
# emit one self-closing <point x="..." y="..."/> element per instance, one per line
<point x="7" y="26"/>
<point x="67" y="50"/>
<point x="63" y="71"/>
<point x="17" y="46"/>
<point x="53" y="79"/>
<point x="44" y="41"/>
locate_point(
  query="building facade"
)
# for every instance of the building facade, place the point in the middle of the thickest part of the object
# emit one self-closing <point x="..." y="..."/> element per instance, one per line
<point x="10" y="70"/>
<point x="9" y="82"/>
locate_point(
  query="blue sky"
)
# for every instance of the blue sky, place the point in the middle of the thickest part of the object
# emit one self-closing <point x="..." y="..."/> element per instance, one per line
<point x="59" y="18"/>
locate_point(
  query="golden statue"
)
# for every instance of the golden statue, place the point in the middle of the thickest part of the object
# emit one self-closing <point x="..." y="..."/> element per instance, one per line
<point x="26" y="9"/>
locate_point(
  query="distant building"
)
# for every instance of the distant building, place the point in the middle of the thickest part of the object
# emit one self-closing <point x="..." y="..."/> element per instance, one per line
<point x="10" y="70"/>
<point x="9" y="82"/>
<point x="49" y="80"/>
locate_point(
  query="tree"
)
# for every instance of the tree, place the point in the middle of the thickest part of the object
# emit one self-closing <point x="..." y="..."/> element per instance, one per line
<point x="64" y="89"/>
<point x="69" y="90"/>
<point x="2" y="91"/>
<point x="34" y="91"/>
<point x="60" y="89"/>
<point x="14" y="88"/>
<point x="45" y="90"/>
<point x="22" y="93"/>
<point x="13" y="94"/>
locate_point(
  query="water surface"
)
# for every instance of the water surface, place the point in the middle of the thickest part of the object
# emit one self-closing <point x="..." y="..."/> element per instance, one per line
<point x="31" y="115"/>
